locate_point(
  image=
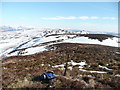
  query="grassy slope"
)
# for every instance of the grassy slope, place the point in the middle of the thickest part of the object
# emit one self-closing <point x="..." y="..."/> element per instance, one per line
<point x="19" y="70"/>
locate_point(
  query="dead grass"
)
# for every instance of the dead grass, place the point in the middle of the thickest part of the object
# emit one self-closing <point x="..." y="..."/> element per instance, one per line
<point x="18" y="71"/>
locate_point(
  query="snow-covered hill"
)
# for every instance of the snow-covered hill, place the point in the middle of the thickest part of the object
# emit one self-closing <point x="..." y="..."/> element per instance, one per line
<point x="25" y="41"/>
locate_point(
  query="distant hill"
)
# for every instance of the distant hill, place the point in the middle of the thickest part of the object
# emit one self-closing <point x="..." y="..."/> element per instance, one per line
<point x="25" y="41"/>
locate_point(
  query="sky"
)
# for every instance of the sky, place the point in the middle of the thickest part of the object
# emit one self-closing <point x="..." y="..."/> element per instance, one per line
<point x="91" y="16"/>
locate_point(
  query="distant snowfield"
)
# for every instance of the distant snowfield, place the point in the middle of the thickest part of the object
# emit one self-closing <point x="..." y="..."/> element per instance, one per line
<point x="16" y="40"/>
<point x="108" y="42"/>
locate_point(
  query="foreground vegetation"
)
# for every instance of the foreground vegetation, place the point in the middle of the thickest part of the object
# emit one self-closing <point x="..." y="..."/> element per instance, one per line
<point x="18" y="71"/>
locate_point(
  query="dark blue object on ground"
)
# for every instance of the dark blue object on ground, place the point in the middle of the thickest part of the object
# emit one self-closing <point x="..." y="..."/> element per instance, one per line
<point x="47" y="77"/>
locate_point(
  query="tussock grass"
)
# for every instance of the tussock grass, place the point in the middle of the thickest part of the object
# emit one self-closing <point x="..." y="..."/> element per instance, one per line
<point x="18" y="71"/>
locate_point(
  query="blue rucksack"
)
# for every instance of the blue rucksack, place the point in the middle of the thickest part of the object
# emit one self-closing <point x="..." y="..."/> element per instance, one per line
<point x="50" y="75"/>
<point x="47" y="75"/>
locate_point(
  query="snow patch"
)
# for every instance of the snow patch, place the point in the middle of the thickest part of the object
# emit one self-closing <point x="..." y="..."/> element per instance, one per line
<point x="61" y="66"/>
<point x="42" y="64"/>
<point x="108" y="42"/>
<point x="34" y="50"/>
<point x="117" y="75"/>
<point x="81" y="64"/>
<point x="74" y="63"/>
<point x="92" y="71"/>
<point x="117" y="52"/>
<point x="103" y="67"/>
<point x="70" y="67"/>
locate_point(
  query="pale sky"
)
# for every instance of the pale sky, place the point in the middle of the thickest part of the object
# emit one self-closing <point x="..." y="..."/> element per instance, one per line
<point x="95" y="16"/>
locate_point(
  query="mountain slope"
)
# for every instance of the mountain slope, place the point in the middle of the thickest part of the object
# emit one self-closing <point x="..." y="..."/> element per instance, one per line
<point x="93" y="60"/>
<point x="85" y="61"/>
<point x="31" y="41"/>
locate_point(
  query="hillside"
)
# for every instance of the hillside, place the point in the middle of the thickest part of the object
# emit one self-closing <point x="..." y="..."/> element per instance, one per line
<point x="93" y="60"/>
<point x="101" y="63"/>
<point x="26" y="42"/>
